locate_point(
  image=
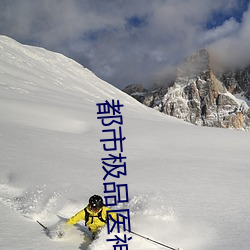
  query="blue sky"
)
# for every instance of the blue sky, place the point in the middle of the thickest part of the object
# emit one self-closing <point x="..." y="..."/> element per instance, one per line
<point x="218" y="17"/>
<point x="131" y="41"/>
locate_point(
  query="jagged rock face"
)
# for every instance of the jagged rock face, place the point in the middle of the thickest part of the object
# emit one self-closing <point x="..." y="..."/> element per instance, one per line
<point x="237" y="81"/>
<point x="133" y="88"/>
<point x="199" y="97"/>
<point x="205" y="102"/>
<point x="137" y="91"/>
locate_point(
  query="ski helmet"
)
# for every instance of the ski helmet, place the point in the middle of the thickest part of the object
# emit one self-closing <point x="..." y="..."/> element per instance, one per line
<point x="95" y="202"/>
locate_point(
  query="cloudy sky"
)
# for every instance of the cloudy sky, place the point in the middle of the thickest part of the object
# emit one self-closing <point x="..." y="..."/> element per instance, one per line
<point x="131" y="41"/>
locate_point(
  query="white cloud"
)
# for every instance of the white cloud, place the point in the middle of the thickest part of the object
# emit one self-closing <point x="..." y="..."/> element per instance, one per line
<point x="228" y="28"/>
<point x="97" y="32"/>
<point x="233" y="50"/>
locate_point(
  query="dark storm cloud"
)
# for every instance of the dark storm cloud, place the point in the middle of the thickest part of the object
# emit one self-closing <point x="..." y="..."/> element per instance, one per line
<point x="123" y="42"/>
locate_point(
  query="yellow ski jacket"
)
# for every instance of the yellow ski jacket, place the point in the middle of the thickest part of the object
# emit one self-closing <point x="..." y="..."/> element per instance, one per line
<point x="93" y="223"/>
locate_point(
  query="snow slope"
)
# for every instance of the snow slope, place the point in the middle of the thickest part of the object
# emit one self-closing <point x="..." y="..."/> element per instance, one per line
<point x="189" y="186"/>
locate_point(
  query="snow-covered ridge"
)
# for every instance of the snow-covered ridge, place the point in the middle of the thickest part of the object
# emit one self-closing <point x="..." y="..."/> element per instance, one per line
<point x="33" y="74"/>
<point x="35" y="68"/>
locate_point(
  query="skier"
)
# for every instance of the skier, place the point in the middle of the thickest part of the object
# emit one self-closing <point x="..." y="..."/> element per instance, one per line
<point x="94" y="214"/>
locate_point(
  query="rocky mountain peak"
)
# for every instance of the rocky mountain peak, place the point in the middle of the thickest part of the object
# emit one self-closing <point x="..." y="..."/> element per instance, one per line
<point x="196" y="64"/>
<point x="200" y="96"/>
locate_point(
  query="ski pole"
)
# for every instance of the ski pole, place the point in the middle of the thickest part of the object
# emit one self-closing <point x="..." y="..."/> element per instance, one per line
<point x="45" y="228"/>
<point x="159" y="243"/>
